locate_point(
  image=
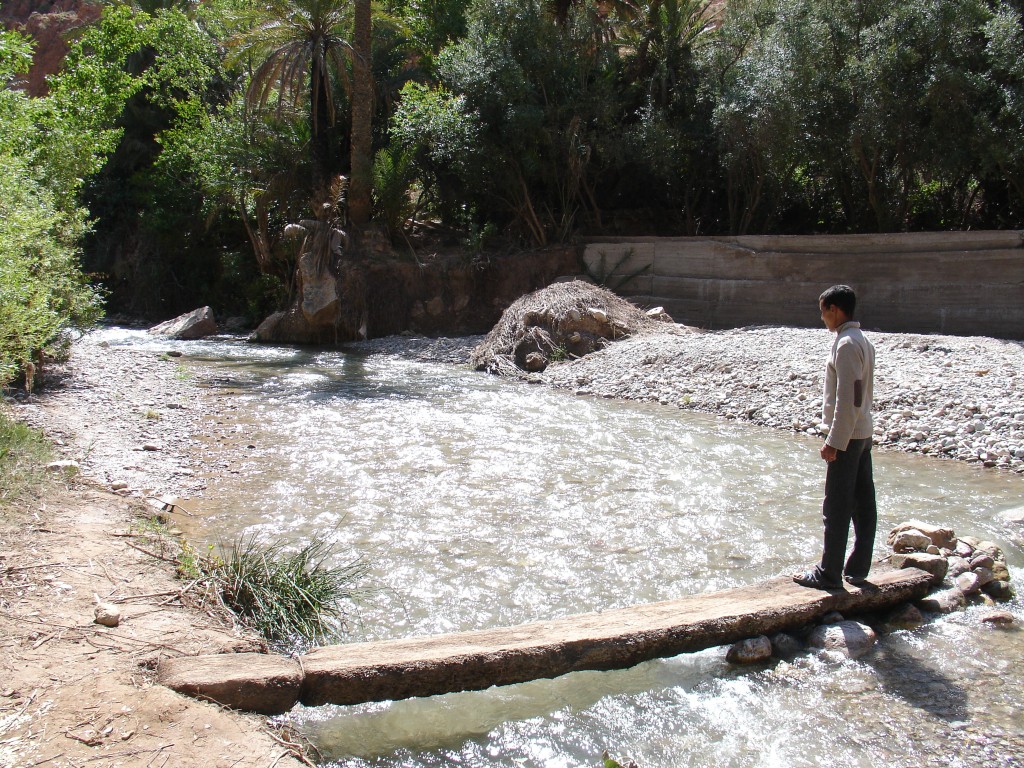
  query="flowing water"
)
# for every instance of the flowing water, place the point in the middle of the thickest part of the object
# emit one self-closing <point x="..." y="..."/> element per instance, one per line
<point x="480" y="502"/>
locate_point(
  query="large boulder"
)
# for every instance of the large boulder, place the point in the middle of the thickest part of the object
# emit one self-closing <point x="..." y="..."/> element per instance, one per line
<point x="197" y="324"/>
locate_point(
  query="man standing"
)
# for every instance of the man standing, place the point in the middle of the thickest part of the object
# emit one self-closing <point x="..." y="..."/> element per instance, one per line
<point x="846" y="411"/>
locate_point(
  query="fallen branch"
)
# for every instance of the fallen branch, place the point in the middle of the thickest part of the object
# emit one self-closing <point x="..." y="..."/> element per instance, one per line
<point x="152" y="554"/>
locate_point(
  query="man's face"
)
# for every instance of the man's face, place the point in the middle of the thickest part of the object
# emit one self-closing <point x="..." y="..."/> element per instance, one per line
<point x="831" y="316"/>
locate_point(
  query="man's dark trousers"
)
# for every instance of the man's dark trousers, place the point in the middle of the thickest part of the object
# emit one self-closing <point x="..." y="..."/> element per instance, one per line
<point x="849" y="497"/>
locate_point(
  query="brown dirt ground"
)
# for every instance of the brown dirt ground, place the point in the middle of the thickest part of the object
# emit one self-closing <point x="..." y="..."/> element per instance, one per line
<point x="74" y="693"/>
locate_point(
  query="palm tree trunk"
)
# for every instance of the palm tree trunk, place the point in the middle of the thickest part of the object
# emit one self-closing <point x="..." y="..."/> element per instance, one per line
<point x="360" y="188"/>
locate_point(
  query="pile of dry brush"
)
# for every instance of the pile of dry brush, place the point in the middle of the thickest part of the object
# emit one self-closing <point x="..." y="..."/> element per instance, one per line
<point x="560" y="322"/>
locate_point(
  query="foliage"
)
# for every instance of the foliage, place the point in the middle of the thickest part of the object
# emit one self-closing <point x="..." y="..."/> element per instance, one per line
<point x="23" y="454"/>
<point x="392" y="182"/>
<point x="863" y="115"/>
<point x="42" y="290"/>
<point x="288" y="596"/>
<point x="530" y="83"/>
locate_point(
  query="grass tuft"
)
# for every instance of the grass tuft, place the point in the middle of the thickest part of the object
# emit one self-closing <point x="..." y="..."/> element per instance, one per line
<point x="23" y="456"/>
<point x="291" y="598"/>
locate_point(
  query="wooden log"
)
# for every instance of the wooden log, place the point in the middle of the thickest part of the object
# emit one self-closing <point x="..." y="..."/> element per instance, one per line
<point x="613" y="639"/>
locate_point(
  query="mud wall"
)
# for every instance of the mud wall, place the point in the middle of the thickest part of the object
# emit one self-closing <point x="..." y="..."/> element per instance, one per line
<point x="959" y="283"/>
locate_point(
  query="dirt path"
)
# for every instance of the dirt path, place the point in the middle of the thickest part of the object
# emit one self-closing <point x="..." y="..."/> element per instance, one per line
<point x="72" y="692"/>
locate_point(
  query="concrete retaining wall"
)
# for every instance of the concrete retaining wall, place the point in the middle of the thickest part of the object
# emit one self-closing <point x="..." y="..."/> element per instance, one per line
<point x="960" y="283"/>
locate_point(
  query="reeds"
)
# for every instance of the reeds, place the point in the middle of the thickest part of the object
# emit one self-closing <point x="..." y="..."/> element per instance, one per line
<point x="292" y="598"/>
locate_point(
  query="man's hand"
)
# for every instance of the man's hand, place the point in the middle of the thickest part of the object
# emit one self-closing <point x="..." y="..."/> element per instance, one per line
<point x="828" y="453"/>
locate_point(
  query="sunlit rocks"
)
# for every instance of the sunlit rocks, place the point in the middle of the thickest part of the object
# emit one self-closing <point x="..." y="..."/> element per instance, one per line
<point x="999" y="618"/>
<point x="969" y="583"/>
<point x="910" y="541"/>
<point x="106" y="614"/>
<point x="936" y="565"/>
<point x="941" y="537"/>
<point x="850" y="638"/>
<point x="957" y="565"/>
<point x="197" y="324"/>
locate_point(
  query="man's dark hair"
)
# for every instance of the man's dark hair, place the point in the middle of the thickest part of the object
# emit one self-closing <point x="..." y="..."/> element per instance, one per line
<point x="841" y="296"/>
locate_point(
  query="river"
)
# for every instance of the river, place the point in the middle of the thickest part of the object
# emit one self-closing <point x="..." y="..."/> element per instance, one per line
<point x="479" y="502"/>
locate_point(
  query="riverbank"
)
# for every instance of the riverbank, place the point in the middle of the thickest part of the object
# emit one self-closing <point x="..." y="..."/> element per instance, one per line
<point x="73" y="692"/>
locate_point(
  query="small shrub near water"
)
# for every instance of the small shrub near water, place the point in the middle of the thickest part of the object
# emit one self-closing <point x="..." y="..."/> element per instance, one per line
<point x="288" y="597"/>
<point x="23" y="456"/>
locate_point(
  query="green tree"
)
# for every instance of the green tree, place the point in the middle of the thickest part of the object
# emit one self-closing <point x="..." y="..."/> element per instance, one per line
<point x="42" y="289"/>
<point x="299" y="48"/>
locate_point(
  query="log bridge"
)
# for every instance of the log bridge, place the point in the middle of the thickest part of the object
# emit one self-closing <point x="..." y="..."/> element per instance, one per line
<point x="612" y="639"/>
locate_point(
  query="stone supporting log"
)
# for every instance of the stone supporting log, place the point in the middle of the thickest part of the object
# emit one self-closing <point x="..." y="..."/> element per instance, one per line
<point x="613" y="639"/>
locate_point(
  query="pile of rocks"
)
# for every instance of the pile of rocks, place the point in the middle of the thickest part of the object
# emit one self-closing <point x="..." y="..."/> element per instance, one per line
<point x="965" y="571"/>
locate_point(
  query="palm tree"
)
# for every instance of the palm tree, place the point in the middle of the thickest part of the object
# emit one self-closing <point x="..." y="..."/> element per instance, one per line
<point x="302" y="50"/>
<point x="359" y="194"/>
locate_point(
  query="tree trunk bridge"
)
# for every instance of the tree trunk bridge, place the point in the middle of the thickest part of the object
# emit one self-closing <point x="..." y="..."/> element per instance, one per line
<point x="466" y="661"/>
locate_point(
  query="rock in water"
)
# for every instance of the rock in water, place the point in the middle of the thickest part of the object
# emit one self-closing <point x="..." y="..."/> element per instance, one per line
<point x="750" y="651"/>
<point x="197" y="324"/>
<point x="936" y="565"/>
<point x="851" y="638"/>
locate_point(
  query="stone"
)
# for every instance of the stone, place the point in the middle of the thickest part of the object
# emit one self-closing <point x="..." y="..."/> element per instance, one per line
<point x="999" y="618"/>
<point x="936" y="565"/>
<point x="910" y="541"/>
<point x="197" y="324"/>
<point x="66" y="466"/>
<point x="964" y="550"/>
<point x="1015" y="515"/>
<point x="1000" y="571"/>
<point x="785" y="645"/>
<point x="256" y="682"/>
<point x="968" y="582"/>
<point x="535" y="361"/>
<point x="983" y="560"/>
<point x="990" y="548"/>
<point x="850" y="638"/>
<point x="943" y="601"/>
<point x="999" y="590"/>
<point x="106" y="614"/>
<point x="907" y="616"/>
<point x="832" y="617"/>
<point x="984" y="575"/>
<point x="750" y="651"/>
<point x="659" y="313"/>
<point x="931" y="549"/>
<point x="937" y="535"/>
<point x="957" y="565"/>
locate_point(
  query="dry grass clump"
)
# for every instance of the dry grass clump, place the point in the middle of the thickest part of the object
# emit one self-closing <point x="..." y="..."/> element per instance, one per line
<point x="562" y="321"/>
